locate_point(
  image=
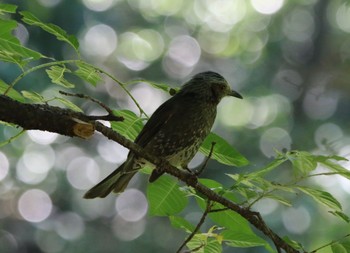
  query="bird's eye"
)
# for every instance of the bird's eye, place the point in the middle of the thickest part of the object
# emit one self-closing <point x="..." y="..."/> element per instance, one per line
<point x="222" y="87"/>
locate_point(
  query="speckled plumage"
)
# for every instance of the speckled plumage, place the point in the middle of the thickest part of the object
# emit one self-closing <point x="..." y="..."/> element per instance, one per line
<point x="175" y="131"/>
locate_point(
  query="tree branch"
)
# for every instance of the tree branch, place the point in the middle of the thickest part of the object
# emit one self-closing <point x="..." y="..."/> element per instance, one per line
<point x="200" y="223"/>
<point x="54" y="119"/>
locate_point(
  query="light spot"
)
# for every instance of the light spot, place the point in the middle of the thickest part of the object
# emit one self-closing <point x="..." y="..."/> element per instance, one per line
<point x="4" y="166"/>
<point x="82" y="172"/>
<point x="296" y="220"/>
<point x="328" y="135"/>
<point x="69" y="226"/>
<point x="42" y="137"/>
<point x="34" y="205"/>
<point x="132" y="205"/>
<point x="112" y="151"/>
<point x="99" y="41"/>
<point x="267" y="7"/>
<point x="266" y="206"/>
<point x="342" y="17"/>
<point x="127" y="230"/>
<point x="35" y="164"/>
<point x="275" y="139"/>
<point x="49" y="3"/>
<point x="99" y="5"/>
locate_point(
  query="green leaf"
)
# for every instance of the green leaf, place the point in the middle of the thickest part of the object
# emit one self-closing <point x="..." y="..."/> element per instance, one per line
<point x="303" y="162"/>
<point x="230" y="220"/>
<point x="56" y="74"/>
<point x="237" y="238"/>
<point x="201" y="243"/>
<point x="338" y="248"/>
<point x="322" y="197"/>
<point x="130" y="127"/>
<point x="160" y="86"/>
<point x="12" y="93"/>
<point x="69" y="104"/>
<point x="294" y="244"/>
<point x="179" y="222"/>
<point x="210" y="183"/>
<point x="223" y="152"/>
<point x="10" y="48"/>
<point x="346" y="244"/>
<point x="7" y="8"/>
<point x="279" y="198"/>
<point x="335" y="167"/>
<point x="341" y="215"/>
<point x="268" y="168"/>
<point x="88" y="73"/>
<point x="34" y="96"/>
<point x="165" y="198"/>
<point x="57" y="31"/>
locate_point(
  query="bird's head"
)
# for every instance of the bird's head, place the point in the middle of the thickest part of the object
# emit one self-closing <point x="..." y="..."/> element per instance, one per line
<point x="210" y="86"/>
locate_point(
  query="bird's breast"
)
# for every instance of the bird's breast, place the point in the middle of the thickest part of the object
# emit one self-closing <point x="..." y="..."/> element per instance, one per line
<point x="182" y="136"/>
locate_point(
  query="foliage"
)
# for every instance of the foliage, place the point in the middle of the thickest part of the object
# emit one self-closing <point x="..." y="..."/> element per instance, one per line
<point x="167" y="197"/>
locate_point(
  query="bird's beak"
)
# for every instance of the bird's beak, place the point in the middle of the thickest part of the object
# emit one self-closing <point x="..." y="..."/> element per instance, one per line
<point x="235" y="94"/>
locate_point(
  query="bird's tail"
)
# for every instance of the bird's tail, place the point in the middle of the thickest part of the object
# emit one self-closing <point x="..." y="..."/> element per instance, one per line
<point x="117" y="181"/>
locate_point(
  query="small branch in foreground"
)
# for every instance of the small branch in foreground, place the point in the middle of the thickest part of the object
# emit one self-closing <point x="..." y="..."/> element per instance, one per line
<point x="200" y="223"/>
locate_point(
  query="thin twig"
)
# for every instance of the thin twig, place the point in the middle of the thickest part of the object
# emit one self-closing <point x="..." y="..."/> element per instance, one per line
<point x="109" y="117"/>
<point x="200" y="223"/>
<point x="109" y="110"/>
<point x="206" y="160"/>
<point x="219" y="210"/>
<point x="122" y="85"/>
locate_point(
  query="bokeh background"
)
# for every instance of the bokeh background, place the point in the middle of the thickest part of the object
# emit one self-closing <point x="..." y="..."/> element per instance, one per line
<point x="289" y="59"/>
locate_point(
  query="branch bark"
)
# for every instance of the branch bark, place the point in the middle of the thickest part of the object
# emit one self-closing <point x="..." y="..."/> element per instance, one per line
<point x="54" y="119"/>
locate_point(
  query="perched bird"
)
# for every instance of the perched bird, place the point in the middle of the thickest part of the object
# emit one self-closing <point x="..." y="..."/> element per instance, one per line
<point x="175" y="131"/>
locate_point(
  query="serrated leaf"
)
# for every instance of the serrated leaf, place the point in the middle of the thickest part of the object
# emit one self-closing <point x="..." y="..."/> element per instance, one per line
<point x="11" y="49"/>
<point x="130" y="127"/>
<point x="34" y="96"/>
<point x="69" y="104"/>
<point x="55" y="30"/>
<point x="12" y="93"/>
<point x="165" y="198"/>
<point x="322" y="197"/>
<point x="56" y="74"/>
<point x="223" y="152"/>
<point x="179" y="222"/>
<point x="7" y="8"/>
<point x="88" y="73"/>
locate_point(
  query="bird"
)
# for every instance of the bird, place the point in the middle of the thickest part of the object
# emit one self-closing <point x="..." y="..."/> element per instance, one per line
<point x="175" y="131"/>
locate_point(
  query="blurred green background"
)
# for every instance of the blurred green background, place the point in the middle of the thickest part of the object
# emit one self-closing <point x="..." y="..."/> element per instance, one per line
<point x="289" y="60"/>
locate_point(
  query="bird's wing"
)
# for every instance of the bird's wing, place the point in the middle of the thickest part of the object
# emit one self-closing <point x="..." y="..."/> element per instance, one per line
<point x="160" y="117"/>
